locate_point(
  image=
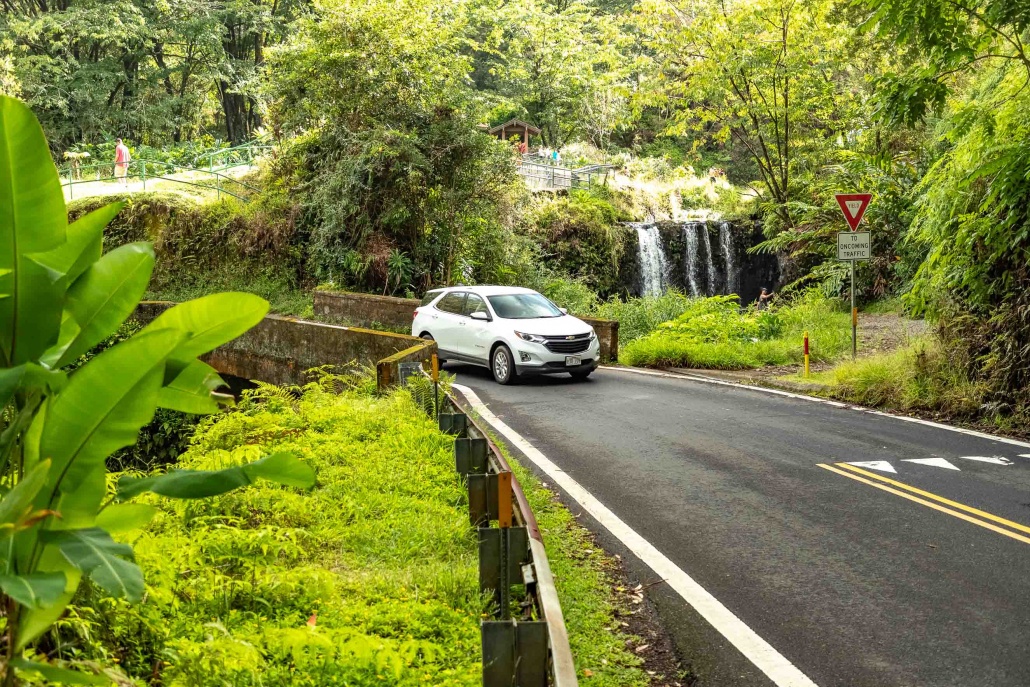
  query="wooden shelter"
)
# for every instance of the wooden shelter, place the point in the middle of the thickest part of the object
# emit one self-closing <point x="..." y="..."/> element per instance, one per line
<point x="512" y="127"/>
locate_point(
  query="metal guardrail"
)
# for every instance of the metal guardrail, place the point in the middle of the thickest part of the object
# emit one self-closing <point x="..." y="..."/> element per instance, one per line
<point x="544" y="176"/>
<point x="138" y="169"/>
<point x="526" y="643"/>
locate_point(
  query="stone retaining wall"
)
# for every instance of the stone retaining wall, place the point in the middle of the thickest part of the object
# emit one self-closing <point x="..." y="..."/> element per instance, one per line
<point x="367" y="309"/>
<point x="363" y="309"/>
<point x="279" y="349"/>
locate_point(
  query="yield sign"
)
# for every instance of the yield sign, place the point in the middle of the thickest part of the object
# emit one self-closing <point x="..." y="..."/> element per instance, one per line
<point x="853" y="205"/>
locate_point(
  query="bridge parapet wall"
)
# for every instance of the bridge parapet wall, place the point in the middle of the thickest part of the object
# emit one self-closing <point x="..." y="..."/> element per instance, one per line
<point x="279" y="349"/>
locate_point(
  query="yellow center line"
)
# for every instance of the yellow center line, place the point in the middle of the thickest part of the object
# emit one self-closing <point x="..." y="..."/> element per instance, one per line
<point x="935" y="497"/>
<point x="930" y="504"/>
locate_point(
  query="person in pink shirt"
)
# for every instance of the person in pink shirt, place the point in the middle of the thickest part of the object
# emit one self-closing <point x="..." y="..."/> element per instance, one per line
<point x="121" y="162"/>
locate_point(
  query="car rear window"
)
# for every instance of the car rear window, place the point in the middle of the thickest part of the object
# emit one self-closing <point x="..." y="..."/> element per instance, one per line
<point x="452" y="302"/>
<point x="429" y="297"/>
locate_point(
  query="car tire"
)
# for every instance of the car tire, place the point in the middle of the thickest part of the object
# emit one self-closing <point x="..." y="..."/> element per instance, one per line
<point x="429" y="337"/>
<point x="580" y="374"/>
<point x="502" y="365"/>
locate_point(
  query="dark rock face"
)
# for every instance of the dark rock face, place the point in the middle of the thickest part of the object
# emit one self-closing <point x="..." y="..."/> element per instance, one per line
<point x="707" y="259"/>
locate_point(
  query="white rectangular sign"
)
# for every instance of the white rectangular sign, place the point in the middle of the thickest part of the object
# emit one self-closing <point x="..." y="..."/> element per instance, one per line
<point x="853" y="245"/>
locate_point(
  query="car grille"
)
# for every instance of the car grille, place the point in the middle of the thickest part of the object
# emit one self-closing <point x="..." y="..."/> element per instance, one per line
<point x="563" y="344"/>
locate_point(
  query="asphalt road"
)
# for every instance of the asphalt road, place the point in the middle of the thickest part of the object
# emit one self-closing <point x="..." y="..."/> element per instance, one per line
<point x="855" y="585"/>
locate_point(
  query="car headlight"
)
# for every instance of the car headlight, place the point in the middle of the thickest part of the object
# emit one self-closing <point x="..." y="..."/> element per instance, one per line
<point x="593" y="334"/>
<point x="532" y="338"/>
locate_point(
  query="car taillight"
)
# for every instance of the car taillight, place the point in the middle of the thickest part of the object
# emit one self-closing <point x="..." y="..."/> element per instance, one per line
<point x="414" y="315"/>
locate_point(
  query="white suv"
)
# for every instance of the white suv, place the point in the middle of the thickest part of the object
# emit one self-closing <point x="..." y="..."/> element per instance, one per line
<point x="512" y="331"/>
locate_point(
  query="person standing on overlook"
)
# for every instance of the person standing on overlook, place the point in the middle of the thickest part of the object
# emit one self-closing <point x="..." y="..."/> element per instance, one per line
<point x="121" y="162"/>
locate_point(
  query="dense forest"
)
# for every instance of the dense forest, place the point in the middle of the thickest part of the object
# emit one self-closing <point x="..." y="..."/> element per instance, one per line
<point x="383" y="179"/>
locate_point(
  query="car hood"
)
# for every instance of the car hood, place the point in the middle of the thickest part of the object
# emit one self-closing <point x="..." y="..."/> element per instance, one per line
<point x="548" y="326"/>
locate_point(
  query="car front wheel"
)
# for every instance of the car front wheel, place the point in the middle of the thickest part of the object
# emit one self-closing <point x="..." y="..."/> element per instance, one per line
<point x="502" y="364"/>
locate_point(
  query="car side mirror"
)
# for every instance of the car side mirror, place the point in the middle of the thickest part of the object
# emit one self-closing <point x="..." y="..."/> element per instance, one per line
<point x="480" y="315"/>
<point x="564" y="311"/>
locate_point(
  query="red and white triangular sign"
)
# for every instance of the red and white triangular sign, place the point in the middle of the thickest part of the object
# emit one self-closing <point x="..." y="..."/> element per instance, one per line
<point x="853" y="205"/>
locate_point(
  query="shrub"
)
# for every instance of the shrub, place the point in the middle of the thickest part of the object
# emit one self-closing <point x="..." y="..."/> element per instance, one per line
<point x="202" y="248"/>
<point x="640" y="316"/>
<point x="715" y="333"/>
<point x="580" y="235"/>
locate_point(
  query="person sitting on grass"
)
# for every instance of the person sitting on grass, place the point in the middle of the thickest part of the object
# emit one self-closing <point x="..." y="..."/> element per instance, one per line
<point x="764" y="298"/>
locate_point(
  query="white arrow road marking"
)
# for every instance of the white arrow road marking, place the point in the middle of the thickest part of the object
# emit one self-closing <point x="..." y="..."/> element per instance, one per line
<point x="780" y="671"/>
<point x="997" y="460"/>
<point x="881" y="465"/>
<point x="933" y="462"/>
<point x="1024" y="455"/>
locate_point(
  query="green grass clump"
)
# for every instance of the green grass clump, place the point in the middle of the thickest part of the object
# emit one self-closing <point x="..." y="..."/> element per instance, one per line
<point x="920" y="377"/>
<point x="715" y="333"/>
<point x="368" y="579"/>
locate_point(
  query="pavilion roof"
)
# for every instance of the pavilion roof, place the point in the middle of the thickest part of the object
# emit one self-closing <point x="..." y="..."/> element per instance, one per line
<point x="516" y="124"/>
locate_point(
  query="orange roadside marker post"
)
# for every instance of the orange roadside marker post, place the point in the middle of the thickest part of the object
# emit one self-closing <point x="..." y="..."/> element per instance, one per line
<point x="806" y="355"/>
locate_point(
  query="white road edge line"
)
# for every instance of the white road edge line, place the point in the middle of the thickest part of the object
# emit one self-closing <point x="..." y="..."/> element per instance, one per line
<point x="816" y="399"/>
<point x="776" y="667"/>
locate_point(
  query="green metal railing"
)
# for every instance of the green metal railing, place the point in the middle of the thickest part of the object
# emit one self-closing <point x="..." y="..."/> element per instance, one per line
<point x="150" y="170"/>
<point x="227" y="158"/>
<point x="541" y="175"/>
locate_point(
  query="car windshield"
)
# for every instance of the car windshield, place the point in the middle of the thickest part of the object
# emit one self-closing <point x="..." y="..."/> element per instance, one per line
<point x="523" y="306"/>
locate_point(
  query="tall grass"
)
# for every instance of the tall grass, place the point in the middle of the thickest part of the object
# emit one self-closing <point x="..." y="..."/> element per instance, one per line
<point x="922" y="376"/>
<point x="716" y="333"/>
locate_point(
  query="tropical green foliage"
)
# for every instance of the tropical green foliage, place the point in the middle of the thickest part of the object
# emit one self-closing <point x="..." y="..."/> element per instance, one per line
<point x="392" y="159"/>
<point x="768" y="75"/>
<point x="202" y="248"/>
<point x="716" y="333"/>
<point x="154" y="72"/>
<point x="59" y="297"/>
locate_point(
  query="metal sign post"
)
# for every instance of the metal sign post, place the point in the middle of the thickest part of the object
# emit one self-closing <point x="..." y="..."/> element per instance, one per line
<point x="853" y="246"/>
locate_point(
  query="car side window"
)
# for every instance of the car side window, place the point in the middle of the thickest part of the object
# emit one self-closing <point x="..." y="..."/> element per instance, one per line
<point x="475" y="304"/>
<point x="452" y="302"/>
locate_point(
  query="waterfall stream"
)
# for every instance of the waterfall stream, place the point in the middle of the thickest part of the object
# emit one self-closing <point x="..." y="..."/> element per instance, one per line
<point x="726" y="242"/>
<point x="690" y="230"/>
<point x="708" y="256"/>
<point x="685" y="255"/>
<point x="653" y="265"/>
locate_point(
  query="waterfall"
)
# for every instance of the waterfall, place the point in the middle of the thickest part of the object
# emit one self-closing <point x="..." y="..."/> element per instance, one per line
<point x="653" y="267"/>
<point x="690" y="266"/>
<point x="708" y="255"/>
<point x="726" y="241"/>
